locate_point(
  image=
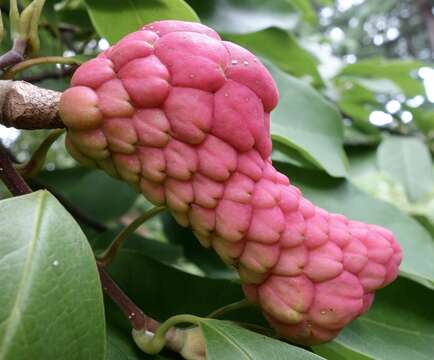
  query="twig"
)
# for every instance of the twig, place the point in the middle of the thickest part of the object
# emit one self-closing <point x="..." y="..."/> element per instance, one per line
<point x="36" y="162"/>
<point x="10" y="176"/>
<point x="14" y="55"/>
<point x="45" y="75"/>
<point x="108" y="255"/>
<point x="135" y="315"/>
<point x="14" y="70"/>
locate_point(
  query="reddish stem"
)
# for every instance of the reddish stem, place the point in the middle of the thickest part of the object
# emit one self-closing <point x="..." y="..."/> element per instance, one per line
<point x="10" y="176"/>
<point x="132" y="312"/>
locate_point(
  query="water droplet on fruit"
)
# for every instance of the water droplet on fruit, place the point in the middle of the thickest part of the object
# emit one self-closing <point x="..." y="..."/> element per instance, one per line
<point x="226" y="94"/>
<point x="234" y="62"/>
<point x="151" y="27"/>
<point x="245" y="62"/>
<point x="56" y="263"/>
<point x="323" y="312"/>
<point x="191" y="76"/>
<point x="255" y="60"/>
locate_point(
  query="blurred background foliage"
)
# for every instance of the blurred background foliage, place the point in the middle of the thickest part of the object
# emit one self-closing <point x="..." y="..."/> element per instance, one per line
<point x="354" y="128"/>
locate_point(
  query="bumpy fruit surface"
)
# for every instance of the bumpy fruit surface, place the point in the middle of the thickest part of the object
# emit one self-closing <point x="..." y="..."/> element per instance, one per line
<point x="184" y="117"/>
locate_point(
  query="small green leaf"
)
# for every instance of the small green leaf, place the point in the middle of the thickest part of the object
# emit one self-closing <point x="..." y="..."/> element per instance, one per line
<point x="131" y="15"/>
<point x="227" y="341"/>
<point x="283" y="49"/>
<point x="307" y="122"/>
<point x="407" y="160"/>
<point x="51" y="301"/>
<point x="245" y="16"/>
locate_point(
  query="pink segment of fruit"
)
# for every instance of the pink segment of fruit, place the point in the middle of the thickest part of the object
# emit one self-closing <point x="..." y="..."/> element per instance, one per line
<point x="184" y="118"/>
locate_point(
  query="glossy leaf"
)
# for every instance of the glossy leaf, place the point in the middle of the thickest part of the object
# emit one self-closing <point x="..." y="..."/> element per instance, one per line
<point x="245" y="16"/>
<point x="283" y="49"/>
<point x="129" y="16"/>
<point x="342" y="197"/>
<point x="401" y="72"/>
<point x="305" y="121"/>
<point x="227" y="341"/>
<point x="51" y="301"/>
<point x="399" y="326"/>
<point x="408" y="161"/>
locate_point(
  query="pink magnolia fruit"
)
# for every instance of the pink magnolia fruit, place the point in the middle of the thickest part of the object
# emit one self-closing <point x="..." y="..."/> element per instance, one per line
<point x="183" y="117"/>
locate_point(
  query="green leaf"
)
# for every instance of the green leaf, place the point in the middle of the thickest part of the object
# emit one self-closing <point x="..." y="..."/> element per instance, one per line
<point x="424" y="118"/>
<point x="365" y="174"/>
<point x="283" y="49"/>
<point x="51" y="302"/>
<point x="407" y="160"/>
<point x="227" y="341"/>
<point x="244" y="16"/>
<point x="399" y="326"/>
<point x="304" y="120"/>
<point x="354" y="137"/>
<point x="357" y="102"/>
<point x="306" y="9"/>
<point x="290" y="155"/>
<point x="398" y="71"/>
<point x="120" y="346"/>
<point x="342" y="197"/>
<point x="95" y="193"/>
<point x="130" y="15"/>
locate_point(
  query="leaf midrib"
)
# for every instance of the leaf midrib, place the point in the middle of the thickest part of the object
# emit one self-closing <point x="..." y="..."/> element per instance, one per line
<point x="232" y="342"/>
<point x="396" y="328"/>
<point x="11" y="320"/>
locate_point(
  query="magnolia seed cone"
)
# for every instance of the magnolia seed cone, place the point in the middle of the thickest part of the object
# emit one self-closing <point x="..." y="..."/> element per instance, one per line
<point x="183" y="117"/>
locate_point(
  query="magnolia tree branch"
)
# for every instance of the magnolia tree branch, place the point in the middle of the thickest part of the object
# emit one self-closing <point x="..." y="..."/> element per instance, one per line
<point x="26" y="106"/>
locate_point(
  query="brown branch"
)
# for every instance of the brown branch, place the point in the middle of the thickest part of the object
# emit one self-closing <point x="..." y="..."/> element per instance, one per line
<point x="428" y="18"/>
<point x="26" y="106"/>
<point x="132" y="312"/>
<point x="10" y="176"/>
